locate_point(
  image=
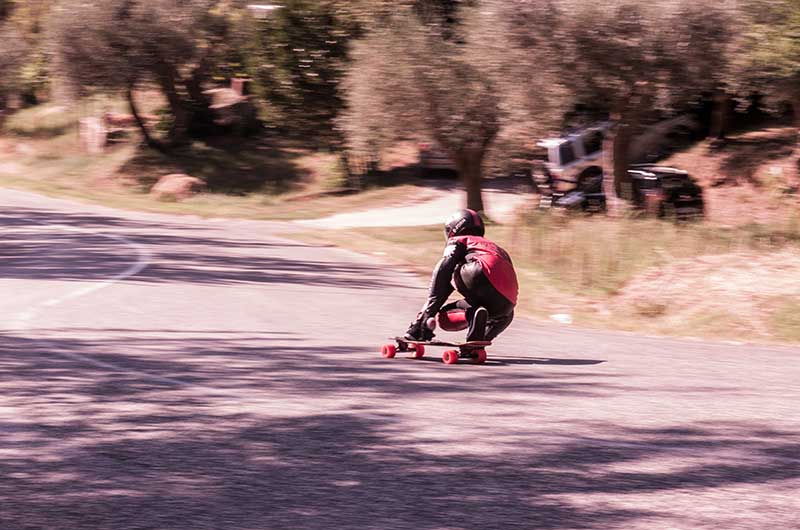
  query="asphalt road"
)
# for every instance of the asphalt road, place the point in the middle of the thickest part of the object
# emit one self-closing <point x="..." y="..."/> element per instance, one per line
<point x="170" y="373"/>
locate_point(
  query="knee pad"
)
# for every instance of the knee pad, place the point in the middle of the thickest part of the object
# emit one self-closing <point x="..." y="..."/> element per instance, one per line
<point x="454" y="320"/>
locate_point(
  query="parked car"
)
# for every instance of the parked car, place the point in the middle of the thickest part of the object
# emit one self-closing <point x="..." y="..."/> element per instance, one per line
<point x="667" y="191"/>
<point x="576" y="155"/>
<point x="659" y="190"/>
<point x="570" y="176"/>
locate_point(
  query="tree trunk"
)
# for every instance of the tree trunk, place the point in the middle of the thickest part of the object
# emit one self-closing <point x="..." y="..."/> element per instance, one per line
<point x="202" y="118"/>
<point x="617" y="185"/>
<point x="622" y="145"/>
<point x="152" y="142"/>
<point x="180" y="112"/>
<point x="796" y="111"/>
<point x="719" y="114"/>
<point x="469" y="163"/>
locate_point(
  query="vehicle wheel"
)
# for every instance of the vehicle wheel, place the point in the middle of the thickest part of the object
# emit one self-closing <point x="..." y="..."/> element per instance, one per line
<point x="419" y="350"/>
<point x="479" y="356"/>
<point x="701" y="210"/>
<point x="388" y="351"/>
<point x="450" y="357"/>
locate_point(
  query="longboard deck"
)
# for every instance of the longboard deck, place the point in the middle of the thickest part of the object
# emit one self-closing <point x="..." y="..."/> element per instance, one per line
<point x="474" y="350"/>
<point x="468" y="344"/>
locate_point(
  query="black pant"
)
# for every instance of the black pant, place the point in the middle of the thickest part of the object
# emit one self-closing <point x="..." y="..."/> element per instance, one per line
<point x="478" y="291"/>
<point x="494" y="325"/>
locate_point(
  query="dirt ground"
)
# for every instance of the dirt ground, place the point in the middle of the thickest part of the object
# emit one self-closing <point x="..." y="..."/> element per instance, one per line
<point x="745" y="289"/>
<point x="500" y="200"/>
<point x="749" y="178"/>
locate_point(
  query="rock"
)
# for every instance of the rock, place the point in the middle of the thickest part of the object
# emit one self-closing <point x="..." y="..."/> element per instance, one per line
<point x="177" y="187"/>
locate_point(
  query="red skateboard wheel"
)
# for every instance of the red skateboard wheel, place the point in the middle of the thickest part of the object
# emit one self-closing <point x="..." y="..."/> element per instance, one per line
<point x="388" y="350"/>
<point x="419" y="351"/>
<point x="450" y="357"/>
<point x="479" y="356"/>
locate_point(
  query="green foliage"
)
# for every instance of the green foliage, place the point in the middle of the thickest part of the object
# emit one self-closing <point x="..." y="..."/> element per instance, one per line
<point x="13" y="52"/>
<point x="115" y="45"/>
<point x="298" y="63"/>
<point x="28" y="21"/>
<point x="301" y="51"/>
<point x="5" y="8"/>
<point x="768" y="51"/>
<point x="624" y="51"/>
<point x="410" y="79"/>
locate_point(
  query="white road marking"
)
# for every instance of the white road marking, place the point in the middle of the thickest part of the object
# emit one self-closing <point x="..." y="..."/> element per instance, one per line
<point x="142" y="261"/>
<point x="25" y="318"/>
<point x="110" y="366"/>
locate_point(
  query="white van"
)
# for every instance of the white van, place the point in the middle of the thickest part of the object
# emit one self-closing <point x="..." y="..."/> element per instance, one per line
<point x="571" y="155"/>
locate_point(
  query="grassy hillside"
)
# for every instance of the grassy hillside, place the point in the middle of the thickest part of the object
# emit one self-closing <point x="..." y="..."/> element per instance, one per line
<point x="733" y="276"/>
<point x="258" y="177"/>
<point x="749" y="178"/>
<point x="640" y="275"/>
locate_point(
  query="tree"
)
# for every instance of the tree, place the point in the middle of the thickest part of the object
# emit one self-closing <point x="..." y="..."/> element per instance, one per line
<point x="117" y="44"/>
<point x="408" y="78"/>
<point x="22" y="48"/>
<point x="768" y="53"/>
<point x="298" y="60"/>
<point x="301" y="52"/>
<point x="13" y="53"/>
<point x="627" y="57"/>
<point x="6" y="6"/>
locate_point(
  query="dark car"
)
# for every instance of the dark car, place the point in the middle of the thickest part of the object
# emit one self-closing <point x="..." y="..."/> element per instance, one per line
<point x="667" y="191"/>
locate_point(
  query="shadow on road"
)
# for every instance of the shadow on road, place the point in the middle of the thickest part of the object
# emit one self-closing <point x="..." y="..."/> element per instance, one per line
<point x="492" y="361"/>
<point x="104" y="447"/>
<point x="39" y="249"/>
<point x="507" y="361"/>
<point x="201" y="431"/>
<point x="120" y="362"/>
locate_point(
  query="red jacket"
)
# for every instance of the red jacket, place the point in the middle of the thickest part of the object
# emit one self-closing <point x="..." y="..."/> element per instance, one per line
<point x="495" y="261"/>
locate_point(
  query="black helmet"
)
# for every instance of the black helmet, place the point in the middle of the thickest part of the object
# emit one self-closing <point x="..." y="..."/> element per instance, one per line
<point x="464" y="223"/>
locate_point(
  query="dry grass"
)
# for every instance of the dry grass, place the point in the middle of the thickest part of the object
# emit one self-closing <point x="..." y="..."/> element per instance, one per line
<point x="785" y="322"/>
<point x="641" y="275"/>
<point x="734" y="294"/>
<point x="748" y="179"/>
<point x="254" y="179"/>
<point x="635" y="274"/>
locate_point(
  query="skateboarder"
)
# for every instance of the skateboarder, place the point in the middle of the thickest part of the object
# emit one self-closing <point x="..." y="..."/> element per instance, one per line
<point x="482" y="273"/>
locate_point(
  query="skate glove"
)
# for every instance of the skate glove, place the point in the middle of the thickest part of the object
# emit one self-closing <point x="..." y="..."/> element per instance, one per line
<point x="418" y="330"/>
